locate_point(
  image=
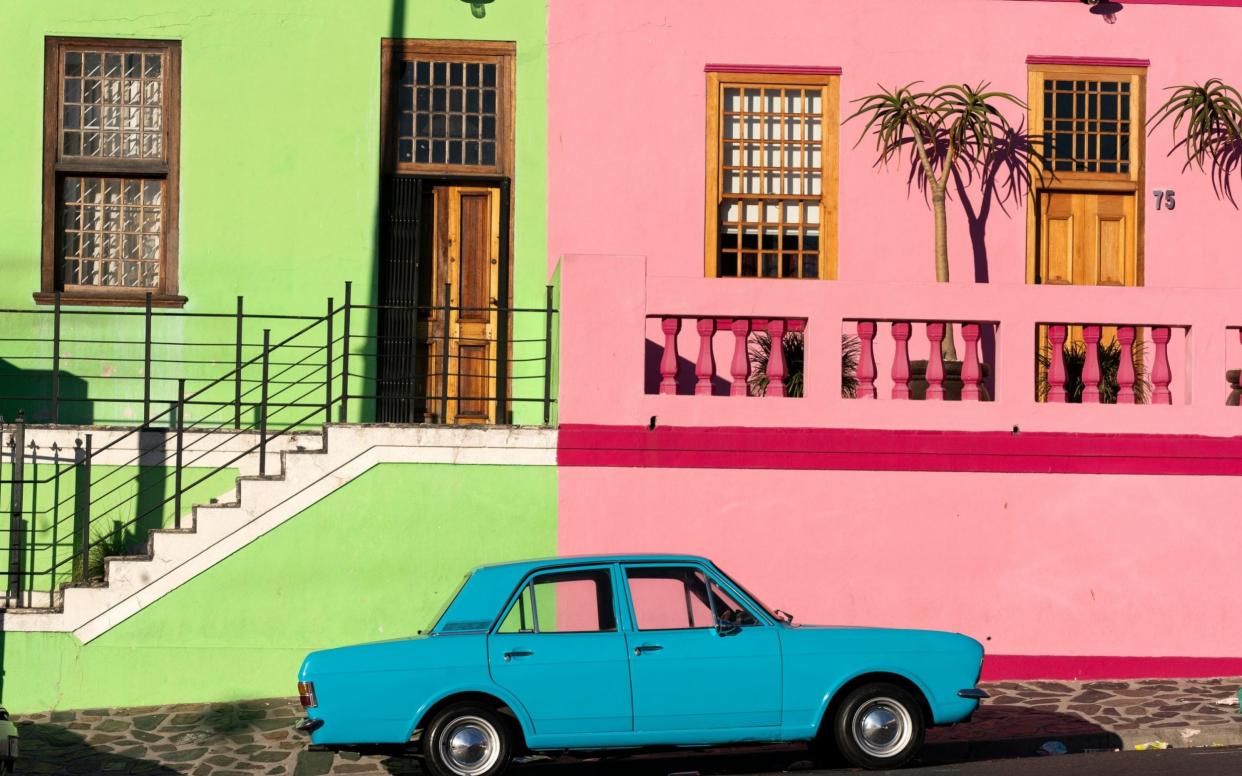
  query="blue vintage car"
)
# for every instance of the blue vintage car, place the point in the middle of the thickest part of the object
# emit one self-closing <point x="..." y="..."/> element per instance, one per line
<point x="632" y="651"/>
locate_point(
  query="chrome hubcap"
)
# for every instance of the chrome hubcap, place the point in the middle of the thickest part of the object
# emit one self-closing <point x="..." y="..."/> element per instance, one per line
<point x="470" y="746"/>
<point x="882" y="727"/>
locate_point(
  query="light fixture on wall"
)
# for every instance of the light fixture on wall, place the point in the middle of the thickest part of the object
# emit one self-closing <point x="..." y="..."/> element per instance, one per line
<point x="477" y="7"/>
<point x="1106" y="8"/>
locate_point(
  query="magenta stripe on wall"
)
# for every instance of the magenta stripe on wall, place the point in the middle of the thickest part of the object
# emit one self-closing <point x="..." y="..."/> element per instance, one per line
<point x="999" y="668"/>
<point x="889" y="450"/>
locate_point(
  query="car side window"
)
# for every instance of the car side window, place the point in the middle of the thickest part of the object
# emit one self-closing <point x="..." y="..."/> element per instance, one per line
<point x="669" y="598"/>
<point x="564" y="602"/>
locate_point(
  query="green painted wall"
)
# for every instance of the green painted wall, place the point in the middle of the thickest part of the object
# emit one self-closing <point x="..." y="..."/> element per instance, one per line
<point x="374" y="560"/>
<point x="279" y="167"/>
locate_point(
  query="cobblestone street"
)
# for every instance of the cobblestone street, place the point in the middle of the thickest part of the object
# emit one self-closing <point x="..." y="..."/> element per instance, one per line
<point x="257" y="737"/>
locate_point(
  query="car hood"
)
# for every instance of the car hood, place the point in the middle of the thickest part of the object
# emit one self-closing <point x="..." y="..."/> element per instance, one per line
<point x="882" y="639"/>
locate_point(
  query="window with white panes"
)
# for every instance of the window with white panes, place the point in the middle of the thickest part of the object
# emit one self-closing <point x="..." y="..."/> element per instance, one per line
<point x="110" y="171"/>
<point x="771" y="180"/>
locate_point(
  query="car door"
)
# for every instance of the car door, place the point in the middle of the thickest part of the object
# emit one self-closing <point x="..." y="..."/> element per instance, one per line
<point x="558" y="650"/>
<point x="686" y="673"/>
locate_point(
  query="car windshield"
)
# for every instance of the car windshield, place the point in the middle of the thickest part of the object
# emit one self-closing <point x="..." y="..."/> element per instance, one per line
<point x="733" y="581"/>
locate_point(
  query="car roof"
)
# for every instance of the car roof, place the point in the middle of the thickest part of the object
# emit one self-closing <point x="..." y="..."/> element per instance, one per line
<point x="488" y="588"/>
<point x="578" y="560"/>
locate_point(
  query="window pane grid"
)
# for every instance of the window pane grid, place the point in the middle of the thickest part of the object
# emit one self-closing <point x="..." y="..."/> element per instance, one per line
<point x="771" y="184"/>
<point x="448" y="112"/>
<point x="112" y="104"/>
<point x="1087" y="126"/>
<point x="111" y="232"/>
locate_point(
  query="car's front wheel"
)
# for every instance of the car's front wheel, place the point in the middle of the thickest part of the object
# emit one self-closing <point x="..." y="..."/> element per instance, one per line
<point x="879" y="726"/>
<point x="468" y="739"/>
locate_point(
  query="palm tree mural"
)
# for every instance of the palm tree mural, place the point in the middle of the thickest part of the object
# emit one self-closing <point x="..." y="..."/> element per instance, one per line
<point x="951" y="132"/>
<point x="1207" y="126"/>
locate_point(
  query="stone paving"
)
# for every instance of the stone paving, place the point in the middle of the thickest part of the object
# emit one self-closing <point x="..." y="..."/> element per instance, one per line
<point x="257" y="737"/>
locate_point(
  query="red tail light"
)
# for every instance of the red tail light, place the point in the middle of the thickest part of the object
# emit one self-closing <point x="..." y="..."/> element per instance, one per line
<point x="306" y="694"/>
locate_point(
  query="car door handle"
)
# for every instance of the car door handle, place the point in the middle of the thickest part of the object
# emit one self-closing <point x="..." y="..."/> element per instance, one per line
<point x="641" y="648"/>
<point x="517" y="653"/>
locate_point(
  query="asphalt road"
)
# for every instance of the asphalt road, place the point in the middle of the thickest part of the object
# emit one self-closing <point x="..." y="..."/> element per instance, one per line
<point x="1171" y="762"/>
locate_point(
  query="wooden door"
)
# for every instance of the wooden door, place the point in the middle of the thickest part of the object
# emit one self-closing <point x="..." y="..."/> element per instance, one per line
<point x="1088" y="239"/>
<point x="467" y="246"/>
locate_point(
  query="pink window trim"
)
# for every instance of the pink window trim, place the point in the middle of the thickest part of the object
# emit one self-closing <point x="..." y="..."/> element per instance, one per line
<point x="1043" y="59"/>
<point x="771" y="69"/>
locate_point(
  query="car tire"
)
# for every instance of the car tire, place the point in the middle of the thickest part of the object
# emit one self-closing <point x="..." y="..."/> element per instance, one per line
<point x="879" y="726"/>
<point x="468" y="739"/>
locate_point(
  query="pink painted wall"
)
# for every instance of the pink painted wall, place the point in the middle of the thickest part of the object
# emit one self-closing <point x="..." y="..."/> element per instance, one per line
<point x="1031" y="564"/>
<point x="1027" y="564"/>
<point x="627" y="103"/>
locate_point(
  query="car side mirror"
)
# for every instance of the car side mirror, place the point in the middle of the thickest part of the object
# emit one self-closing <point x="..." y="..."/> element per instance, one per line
<point x="727" y="628"/>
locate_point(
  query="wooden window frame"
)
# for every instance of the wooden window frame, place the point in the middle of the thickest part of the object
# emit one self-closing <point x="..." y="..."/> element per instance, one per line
<point x="55" y="169"/>
<point x="501" y="53"/>
<point x="720" y="79"/>
<point x="1132" y="182"/>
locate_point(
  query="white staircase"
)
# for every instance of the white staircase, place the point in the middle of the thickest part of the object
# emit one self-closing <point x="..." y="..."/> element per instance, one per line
<point x="311" y="466"/>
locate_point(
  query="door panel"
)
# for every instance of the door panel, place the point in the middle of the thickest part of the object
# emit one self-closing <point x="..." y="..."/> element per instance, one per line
<point x="467" y="269"/>
<point x="570" y="683"/>
<point x="686" y="675"/>
<point x="697" y="679"/>
<point x="1088" y="239"/>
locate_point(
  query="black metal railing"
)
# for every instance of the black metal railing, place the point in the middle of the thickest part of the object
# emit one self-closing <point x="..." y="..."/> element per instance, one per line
<point x="68" y="510"/>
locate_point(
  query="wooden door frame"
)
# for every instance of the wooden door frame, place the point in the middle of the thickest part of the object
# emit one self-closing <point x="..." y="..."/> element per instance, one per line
<point x="1133" y="183"/>
<point x="504" y="54"/>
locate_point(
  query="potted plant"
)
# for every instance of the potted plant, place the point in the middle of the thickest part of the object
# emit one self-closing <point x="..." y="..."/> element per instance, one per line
<point x="1075" y="356"/>
<point x="793" y="347"/>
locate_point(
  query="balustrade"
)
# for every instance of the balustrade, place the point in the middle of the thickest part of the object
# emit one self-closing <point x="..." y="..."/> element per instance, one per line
<point x="932" y="378"/>
<point x="753" y="339"/>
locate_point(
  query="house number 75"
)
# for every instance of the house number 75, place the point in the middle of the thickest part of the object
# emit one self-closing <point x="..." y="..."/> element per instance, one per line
<point x="1166" y="198"/>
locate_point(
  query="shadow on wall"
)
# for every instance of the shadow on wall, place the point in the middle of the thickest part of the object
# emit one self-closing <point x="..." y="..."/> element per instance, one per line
<point x="1005" y="182"/>
<point x="29" y="391"/>
<point x="653" y="353"/>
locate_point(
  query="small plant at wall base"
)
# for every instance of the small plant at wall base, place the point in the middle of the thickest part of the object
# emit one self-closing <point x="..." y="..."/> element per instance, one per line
<point x="793" y="347"/>
<point x="111" y="544"/>
<point x="1076" y="358"/>
<point x="1207" y="125"/>
<point x="954" y="129"/>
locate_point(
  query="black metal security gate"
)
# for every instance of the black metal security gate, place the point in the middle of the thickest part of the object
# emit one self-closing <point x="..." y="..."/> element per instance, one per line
<point x="406" y="300"/>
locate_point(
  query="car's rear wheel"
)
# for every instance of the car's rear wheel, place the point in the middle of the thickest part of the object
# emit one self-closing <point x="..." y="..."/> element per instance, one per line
<point x="468" y="739"/>
<point x="879" y="726"/>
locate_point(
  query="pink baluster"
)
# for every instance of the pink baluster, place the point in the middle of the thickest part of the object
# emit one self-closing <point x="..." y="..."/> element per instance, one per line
<point x="971" y="373"/>
<point x="740" y="369"/>
<point x="1161" y="374"/>
<point x="866" y="360"/>
<point x="705" y="366"/>
<point x="901" y="361"/>
<point x="1056" y="364"/>
<point x="935" y="362"/>
<point x="776" y="357"/>
<point x="1091" y="365"/>
<point x="1125" y="367"/>
<point x="668" y="364"/>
